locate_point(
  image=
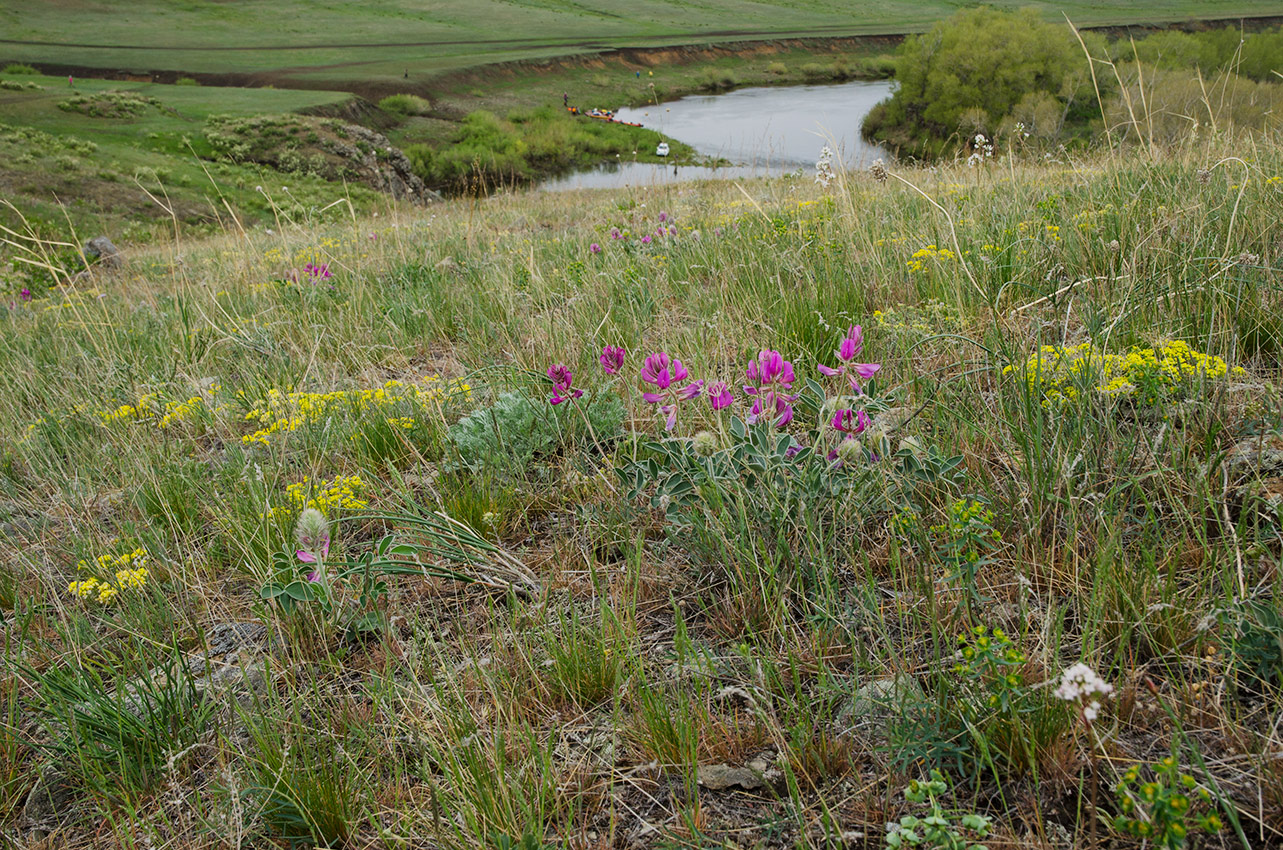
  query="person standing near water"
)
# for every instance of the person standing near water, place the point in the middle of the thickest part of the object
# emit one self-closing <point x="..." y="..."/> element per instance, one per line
<point x="565" y="98"/>
<point x="70" y="81"/>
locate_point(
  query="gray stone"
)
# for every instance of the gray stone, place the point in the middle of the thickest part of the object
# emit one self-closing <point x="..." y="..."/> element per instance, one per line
<point x="224" y="638"/>
<point x="874" y="704"/>
<point x="723" y="777"/>
<point x="49" y="802"/>
<point x="100" y="248"/>
<point x="1260" y="455"/>
<point x="381" y="165"/>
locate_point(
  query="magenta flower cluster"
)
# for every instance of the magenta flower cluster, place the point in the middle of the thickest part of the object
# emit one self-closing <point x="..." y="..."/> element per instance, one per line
<point x="770" y="377"/>
<point x="852" y="345"/>
<point x="769" y="382"/>
<point x="664" y="374"/>
<point x="612" y="359"/>
<point x="665" y="229"/>
<point x="562" y="378"/>
<point x="311" y="273"/>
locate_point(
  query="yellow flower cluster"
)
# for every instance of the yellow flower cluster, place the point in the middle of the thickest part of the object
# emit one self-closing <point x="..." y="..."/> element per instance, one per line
<point x="169" y="412"/>
<point x="922" y="257"/>
<point x="124" y="413"/>
<point x="282" y="412"/>
<point x="965" y="514"/>
<point x="182" y="411"/>
<point x="925" y="319"/>
<point x="129" y="572"/>
<point x="1147" y="373"/>
<point x="329" y="497"/>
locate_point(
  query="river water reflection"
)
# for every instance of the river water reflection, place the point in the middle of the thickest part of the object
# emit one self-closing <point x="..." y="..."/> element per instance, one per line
<point x="763" y="131"/>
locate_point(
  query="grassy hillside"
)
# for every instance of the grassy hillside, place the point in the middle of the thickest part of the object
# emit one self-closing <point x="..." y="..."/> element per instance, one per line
<point x="121" y="156"/>
<point x="319" y="43"/>
<point x="523" y="624"/>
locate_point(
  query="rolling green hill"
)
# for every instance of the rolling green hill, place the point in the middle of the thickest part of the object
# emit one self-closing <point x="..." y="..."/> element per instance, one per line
<point x="315" y="43"/>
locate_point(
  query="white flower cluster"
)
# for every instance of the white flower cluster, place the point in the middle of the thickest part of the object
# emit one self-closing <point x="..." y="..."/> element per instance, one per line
<point x="824" y="167"/>
<point x="1081" y="683"/>
<point x="982" y="151"/>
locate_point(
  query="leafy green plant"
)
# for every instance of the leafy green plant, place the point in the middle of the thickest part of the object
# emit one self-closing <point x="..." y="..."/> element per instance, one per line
<point x="514" y="431"/>
<point x="1166" y="809"/>
<point x="1009" y="722"/>
<point x="962" y="543"/>
<point x="1255" y="632"/>
<point x="940" y="828"/>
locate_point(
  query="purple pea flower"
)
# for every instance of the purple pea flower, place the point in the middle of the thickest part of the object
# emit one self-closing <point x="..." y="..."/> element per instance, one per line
<point x="594" y="248"/>
<point x="672" y="230"/>
<point x="612" y="359"/>
<point x="720" y="395"/>
<point x="778" y="405"/>
<point x="663" y="216"/>
<point x="665" y="374"/>
<point x="850" y="348"/>
<point x="25" y="294"/>
<point x="770" y="371"/>
<point x="308" y="556"/>
<point x="850" y="421"/>
<point x="562" y="378"/>
<point x="615" y="234"/>
<point x="645" y="240"/>
<point x="770" y="377"/>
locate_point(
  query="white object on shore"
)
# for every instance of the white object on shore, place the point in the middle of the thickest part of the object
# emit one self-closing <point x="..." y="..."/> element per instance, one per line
<point x="662" y="150"/>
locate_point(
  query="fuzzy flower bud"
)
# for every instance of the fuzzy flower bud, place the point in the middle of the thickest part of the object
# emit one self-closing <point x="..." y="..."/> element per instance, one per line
<point x="705" y="443"/>
<point x="313" y="534"/>
<point x="850" y="451"/>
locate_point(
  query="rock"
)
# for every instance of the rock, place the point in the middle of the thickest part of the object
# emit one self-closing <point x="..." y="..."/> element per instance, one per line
<point x="1256" y="466"/>
<point x="224" y="638"/>
<point x="1255" y="456"/>
<point x="382" y="165"/>
<point x="723" y="777"/>
<point x="49" y="802"/>
<point x="875" y="703"/>
<point x="100" y="248"/>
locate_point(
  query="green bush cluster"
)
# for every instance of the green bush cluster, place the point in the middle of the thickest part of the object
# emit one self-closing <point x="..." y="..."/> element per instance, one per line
<point x="983" y="65"/>
<point x="1256" y="55"/>
<point x="488" y="151"/>
<point x="1004" y="74"/>
<point x="108" y="104"/>
<point x="405" y="105"/>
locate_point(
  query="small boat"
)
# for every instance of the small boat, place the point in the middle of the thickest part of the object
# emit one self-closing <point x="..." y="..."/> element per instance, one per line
<point x="600" y="115"/>
<point x="662" y="150"/>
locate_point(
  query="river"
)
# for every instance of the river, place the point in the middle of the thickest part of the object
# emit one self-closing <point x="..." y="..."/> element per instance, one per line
<point x="763" y="131"/>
